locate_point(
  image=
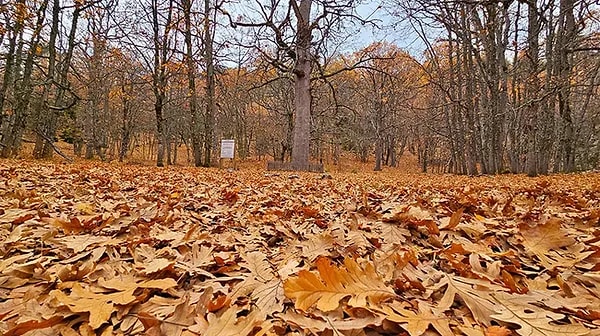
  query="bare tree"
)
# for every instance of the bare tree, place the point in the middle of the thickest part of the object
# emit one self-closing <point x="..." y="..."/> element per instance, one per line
<point x="295" y="36"/>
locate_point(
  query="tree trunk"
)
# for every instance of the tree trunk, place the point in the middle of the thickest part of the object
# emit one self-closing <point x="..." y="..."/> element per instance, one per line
<point x="191" y="77"/>
<point x="532" y="89"/>
<point x="7" y="80"/>
<point x="302" y="99"/>
<point x="378" y="154"/>
<point x="210" y="85"/>
<point x="565" y="66"/>
<point x="23" y="92"/>
<point x="159" y="76"/>
<point x="44" y="146"/>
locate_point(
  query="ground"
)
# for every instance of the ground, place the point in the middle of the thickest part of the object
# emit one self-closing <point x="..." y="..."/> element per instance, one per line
<point x="91" y="248"/>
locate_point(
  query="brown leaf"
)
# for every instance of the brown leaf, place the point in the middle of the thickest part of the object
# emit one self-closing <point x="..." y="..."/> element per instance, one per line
<point x="454" y="219"/>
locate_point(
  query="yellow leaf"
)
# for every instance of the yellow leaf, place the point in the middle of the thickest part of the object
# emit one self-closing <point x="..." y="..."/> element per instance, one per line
<point x="334" y="284"/>
<point x="99" y="306"/>
<point x="85" y="208"/>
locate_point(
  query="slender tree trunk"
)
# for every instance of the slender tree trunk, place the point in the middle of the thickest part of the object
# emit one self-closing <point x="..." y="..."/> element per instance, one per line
<point x="7" y="80"/>
<point x="210" y="85"/>
<point x="378" y="154"/>
<point x="45" y="136"/>
<point x="191" y="77"/>
<point x="532" y="88"/>
<point x="24" y="90"/>
<point x="567" y="35"/>
<point x="159" y="77"/>
<point x="126" y="123"/>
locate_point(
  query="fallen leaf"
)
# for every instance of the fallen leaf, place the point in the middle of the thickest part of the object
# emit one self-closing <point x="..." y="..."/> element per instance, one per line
<point x="332" y="284"/>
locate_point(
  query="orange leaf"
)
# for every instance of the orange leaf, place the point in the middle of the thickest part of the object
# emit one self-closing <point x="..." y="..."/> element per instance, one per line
<point x="218" y="303"/>
<point x="497" y="331"/>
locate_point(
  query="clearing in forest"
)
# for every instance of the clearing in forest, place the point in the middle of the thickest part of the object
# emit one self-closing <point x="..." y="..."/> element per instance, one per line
<point x="124" y="250"/>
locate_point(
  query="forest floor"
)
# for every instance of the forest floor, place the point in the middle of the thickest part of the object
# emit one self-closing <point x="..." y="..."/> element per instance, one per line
<point x="100" y="249"/>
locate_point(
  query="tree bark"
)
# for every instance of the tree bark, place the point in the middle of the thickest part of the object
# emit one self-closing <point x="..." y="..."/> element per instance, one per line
<point x="565" y="67"/>
<point x="302" y="99"/>
<point x="532" y="88"/>
<point x="191" y="77"/>
<point x="210" y="85"/>
<point x="159" y="76"/>
<point x="44" y="145"/>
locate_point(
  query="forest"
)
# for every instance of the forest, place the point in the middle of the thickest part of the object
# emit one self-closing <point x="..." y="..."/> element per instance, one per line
<point x="483" y="87"/>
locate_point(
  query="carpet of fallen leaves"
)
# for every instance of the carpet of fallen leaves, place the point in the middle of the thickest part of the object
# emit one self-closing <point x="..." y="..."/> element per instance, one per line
<point x="91" y="249"/>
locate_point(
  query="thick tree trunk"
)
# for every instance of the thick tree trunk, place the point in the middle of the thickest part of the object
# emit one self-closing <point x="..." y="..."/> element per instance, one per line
<point x="302" y="99"/>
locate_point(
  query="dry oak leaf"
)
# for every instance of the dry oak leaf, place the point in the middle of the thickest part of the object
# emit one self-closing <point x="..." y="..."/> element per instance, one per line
<point x="256" y="262"/>
<point x="268" y="289"/>
<point x="228" y="324"/>
<point x="124" y="283"/>
<point x="157" y="265"/>
<point x="81" y="242"/>
<point x="454" y="220"/>
<point x="543" y="238"/>
<point x="317" y="325"/>
<point x="101" y="306"/>
<point x="25" y="327"/>
<point x="317" y="245"/>
<point x="332" y="284"/>
<point x="476" y="294"/>
<point x="497" y="331"/>
<point x="415" y="217"/>
<point x="534" y="321"/>
<point x="416" y="324"/>
<point x="182" y="317"/>
<point x="17" y="216"/>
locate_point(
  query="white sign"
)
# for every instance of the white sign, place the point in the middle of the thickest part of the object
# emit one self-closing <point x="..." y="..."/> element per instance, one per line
<point x="227" y="149"/>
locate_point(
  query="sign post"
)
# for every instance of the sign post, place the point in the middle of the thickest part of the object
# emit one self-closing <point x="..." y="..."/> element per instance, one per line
<point x="227" y="151"/>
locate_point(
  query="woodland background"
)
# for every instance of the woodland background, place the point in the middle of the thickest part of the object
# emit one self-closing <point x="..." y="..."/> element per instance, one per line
<point x="497" y="86"/>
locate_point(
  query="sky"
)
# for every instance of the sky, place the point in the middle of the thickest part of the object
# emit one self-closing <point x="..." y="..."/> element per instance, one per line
<point x="392" y="29"/>
<point x="389" y="27"/>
